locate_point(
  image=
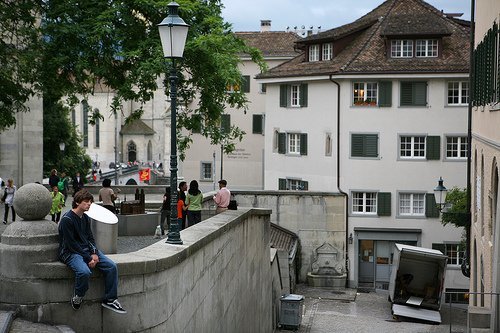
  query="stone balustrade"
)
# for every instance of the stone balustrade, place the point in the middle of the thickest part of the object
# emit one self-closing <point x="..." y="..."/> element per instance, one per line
<point x="219" y="280"/>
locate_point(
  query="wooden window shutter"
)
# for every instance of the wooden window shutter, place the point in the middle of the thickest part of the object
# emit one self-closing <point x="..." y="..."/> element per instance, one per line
<point x="282" y="143"/>
<point x="420" y="93"/>
<point x="245" y="83"/>
<point x="284" y="88"/>
<point x="303" y="95"/>
<point x="281" y="184"/>
<point x="385" y="93"/>
<point x="257" y="123"/>
<point x="357" y="145"/>
<point x="406" y="93"/>
<point x="384" y="204"/>
<point x="225" y="123"/>
<point x="433" y="149"/>
<point x="371" y="145"/>
<point x="364" y="145"/>
<point x="431" y="209"/>
<point x="413" y="93"/>
<point x="303" y="144"/>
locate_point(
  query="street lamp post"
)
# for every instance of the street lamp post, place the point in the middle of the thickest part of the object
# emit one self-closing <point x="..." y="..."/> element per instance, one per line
<point x="62" y="146"/>
<point x="440" y="194"/>
<point x="173" y="33"/>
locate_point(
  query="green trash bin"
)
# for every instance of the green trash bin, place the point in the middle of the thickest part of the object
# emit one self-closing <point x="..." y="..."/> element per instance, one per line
<point x="292" y="306"/>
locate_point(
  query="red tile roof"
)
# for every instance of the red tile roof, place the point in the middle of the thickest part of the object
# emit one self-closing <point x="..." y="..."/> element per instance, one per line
<point x="272" y="43"/>
<point x="366" y="41"/>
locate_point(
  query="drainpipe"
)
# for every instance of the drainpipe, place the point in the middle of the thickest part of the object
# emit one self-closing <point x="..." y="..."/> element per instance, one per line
<point x="466" y="263"/>
<point x="338" y="185"/>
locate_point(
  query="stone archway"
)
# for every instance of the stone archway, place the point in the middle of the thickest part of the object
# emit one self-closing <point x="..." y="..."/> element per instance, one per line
<point x="131" y="151"/>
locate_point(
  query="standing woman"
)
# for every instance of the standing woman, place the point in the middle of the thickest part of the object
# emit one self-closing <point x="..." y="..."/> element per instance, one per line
<point x="107" y="196"/>
<point x="54" y="178"/>
<point x="194" y="200"/>
<point x="8" y="199"/>
<point x="165" y="211"/>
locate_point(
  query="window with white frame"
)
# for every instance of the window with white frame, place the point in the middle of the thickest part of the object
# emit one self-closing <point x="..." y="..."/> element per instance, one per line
<point x="426" y="48"/>
<point x="206" y="171"/>
<point x="327" y="51"/>
<point x="412" y="204"/>
<point x="456" y="147"/>
<point x="314" y="52"/>
<point x="454" y="254"/>
<point x="402" y="48"/>
<point x="458" y="93"/>
<point x="364" y="202"/>
<point x="365" y="93"/>
<point x="412" y="147"/>
<point x="453" y="251"/>
<point x="294" y="184"/>
<point x="293" y="143"/>
<point x="295" y="95"/>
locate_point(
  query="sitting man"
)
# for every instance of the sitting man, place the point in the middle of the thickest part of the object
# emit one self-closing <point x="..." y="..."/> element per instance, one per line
<point x="77" y="249"/>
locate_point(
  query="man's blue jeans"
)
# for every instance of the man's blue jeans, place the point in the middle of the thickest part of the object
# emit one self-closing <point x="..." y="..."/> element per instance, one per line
<point x="83" y="272"/>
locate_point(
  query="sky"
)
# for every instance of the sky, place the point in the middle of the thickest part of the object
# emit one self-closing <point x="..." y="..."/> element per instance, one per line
<point x="245" y="15"/>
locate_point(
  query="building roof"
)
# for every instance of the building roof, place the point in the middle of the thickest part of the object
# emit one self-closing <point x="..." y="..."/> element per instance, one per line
<point x="136" y="127"/>
<point x="284" y="240"/>
<point x="361" y="47"/>
<point x="272" y="43"/>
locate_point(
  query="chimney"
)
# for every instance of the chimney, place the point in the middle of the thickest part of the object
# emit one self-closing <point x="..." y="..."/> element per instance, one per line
<point x="265" y="25"/>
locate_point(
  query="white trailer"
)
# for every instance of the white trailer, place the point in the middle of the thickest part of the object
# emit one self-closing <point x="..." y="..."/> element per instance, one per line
<point x="417" y="282"/>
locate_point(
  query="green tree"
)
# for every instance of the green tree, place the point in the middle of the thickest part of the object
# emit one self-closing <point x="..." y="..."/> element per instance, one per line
<point x="80" y="45"/>
<point x="58" y="128"/>
<point x="116" y="43"/>
<point x="19" y="52"/>
<point x="456" y="211"/>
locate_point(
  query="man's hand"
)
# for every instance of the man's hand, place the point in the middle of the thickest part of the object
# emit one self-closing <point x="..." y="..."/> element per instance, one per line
<point x="94" y="261"/>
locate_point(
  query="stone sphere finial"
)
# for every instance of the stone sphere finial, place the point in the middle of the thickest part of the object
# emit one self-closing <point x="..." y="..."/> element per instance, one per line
<point x="32" y="202"/>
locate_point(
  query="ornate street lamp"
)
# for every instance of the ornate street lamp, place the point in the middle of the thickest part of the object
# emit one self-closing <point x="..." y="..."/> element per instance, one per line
<point x="173" y="33"/>
<point x="440" y="194"/>
<point x="62" y="146"/>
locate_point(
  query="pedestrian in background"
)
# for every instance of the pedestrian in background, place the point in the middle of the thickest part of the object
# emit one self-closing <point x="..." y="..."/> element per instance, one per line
<point x="107" y="196"/>
<point x="194" y="199"/>
<point x="57" y="204"/>
<point x="77" y="183"/>
<point x="8" y="199"/>
<point x="165" y="211"/>
<point x="53" y="178"/>
<point x="222" y="197"/>
<point x="182" y="196"/>
<point x="65" y="186"/>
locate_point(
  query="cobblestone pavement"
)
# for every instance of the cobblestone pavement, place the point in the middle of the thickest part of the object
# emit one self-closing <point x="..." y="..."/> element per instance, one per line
<point x="357" y="312"/>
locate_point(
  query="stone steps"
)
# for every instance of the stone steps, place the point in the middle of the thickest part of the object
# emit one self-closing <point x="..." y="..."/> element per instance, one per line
<point x="10" y="324"/>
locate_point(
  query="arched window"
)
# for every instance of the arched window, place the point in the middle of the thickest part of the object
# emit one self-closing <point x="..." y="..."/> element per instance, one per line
<point x="131" y="151"/>
<point x="150" y="151"/>
<point x="85" y="123"/>
<point x="97" y="140"/>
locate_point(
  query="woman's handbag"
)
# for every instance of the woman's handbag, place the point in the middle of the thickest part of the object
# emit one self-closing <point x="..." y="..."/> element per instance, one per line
<point x="233" y="205"/>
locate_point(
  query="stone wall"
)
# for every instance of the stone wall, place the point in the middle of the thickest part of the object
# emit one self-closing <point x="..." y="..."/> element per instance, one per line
<point x="316" y="217"/>
<point x="219" y="280"/>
